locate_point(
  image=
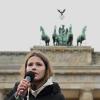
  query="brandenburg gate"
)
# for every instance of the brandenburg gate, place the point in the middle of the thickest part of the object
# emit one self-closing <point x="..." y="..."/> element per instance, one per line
<point x="76" y="69"/>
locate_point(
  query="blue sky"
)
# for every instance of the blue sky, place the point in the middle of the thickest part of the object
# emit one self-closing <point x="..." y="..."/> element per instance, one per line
<point x="20" y="21"/>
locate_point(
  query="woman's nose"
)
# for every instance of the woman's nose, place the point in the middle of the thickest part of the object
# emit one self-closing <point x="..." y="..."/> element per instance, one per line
<point x="34" y="66"/>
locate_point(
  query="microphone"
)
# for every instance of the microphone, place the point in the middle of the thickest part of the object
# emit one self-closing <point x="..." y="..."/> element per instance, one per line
<point x="29" y="76"/>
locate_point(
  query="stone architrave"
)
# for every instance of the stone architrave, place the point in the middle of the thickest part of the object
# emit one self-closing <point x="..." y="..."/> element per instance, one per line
<point x="67" y="56"/>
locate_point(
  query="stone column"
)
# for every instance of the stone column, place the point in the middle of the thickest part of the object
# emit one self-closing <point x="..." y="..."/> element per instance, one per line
<point x="1" y="95"/>
<point x="86" y="95"/>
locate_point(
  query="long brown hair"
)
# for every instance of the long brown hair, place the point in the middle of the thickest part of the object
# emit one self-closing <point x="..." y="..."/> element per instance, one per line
<point x="44" y="58"/>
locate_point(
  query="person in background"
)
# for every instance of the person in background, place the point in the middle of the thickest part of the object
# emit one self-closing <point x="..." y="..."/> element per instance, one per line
<point x="42" y="87"/>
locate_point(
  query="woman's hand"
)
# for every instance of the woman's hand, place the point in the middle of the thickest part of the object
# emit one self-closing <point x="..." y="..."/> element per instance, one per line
<point x="22" y="88"/>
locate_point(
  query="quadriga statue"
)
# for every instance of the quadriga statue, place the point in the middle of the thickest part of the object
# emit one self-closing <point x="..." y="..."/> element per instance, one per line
<point x="58" y="39"/>
<point x="64" y="38"/>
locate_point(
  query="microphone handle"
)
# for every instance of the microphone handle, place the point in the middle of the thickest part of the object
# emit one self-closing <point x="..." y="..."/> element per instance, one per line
<point x="28" y="78"/>
<point x="19" y="98"/>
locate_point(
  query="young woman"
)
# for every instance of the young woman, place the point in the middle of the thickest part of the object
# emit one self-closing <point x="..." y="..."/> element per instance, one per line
<point x="42" y="87"/>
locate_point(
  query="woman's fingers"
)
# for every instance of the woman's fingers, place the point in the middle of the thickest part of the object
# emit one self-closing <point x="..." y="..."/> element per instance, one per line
<point x="22" y="87"/>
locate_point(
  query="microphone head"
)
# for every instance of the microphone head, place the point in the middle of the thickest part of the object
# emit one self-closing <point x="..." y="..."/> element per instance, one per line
<point x="29" y="76"/>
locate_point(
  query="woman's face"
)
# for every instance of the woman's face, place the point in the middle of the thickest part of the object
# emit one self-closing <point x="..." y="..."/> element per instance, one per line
<point x="37" y="66"/>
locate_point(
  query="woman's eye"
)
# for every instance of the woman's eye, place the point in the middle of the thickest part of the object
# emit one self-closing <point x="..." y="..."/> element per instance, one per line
<point x="30" y="64"/>
<point x="38" y="64"/>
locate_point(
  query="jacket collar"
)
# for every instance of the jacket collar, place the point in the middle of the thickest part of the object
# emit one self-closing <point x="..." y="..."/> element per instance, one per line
<point x="36" y="92"/>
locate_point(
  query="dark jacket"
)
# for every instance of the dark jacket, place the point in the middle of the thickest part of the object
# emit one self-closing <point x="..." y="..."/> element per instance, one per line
<point x="51" y="92"/>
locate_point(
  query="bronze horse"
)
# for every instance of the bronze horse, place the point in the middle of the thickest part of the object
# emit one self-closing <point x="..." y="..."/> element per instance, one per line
<point x="82" y="36"/>
<point x="70" y="37"/>
<point x="44" y="37"/>
<point x="55" y="37"/>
